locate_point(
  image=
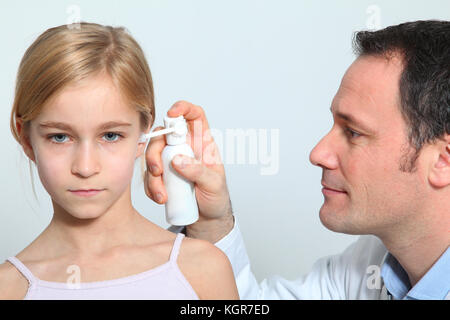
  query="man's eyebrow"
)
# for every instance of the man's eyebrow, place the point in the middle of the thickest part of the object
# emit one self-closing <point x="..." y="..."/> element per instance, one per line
<point x="351" y="119"/>
<point x="65" y="126"/>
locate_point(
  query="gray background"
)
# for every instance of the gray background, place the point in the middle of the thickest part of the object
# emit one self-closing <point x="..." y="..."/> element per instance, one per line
<point x="250" y="65"/>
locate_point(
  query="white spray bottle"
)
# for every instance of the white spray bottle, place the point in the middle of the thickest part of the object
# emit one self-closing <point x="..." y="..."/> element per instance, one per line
<point x="181" y="204"/>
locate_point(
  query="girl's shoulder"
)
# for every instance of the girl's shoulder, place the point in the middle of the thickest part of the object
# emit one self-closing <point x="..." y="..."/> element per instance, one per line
<point x="13" y="285"/>
<point x="196" y="250"/>
<point x="207" y="269"/>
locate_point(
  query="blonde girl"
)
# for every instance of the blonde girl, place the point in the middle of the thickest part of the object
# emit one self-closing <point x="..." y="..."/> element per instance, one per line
<point x="83" y="96"/>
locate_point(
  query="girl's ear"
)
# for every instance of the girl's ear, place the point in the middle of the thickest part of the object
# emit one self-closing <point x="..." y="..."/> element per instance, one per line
<point x="142" y="145"/>
<point x="141" y="148"/>
<point x="439" y="175"/>
<point x="24" y="139"/>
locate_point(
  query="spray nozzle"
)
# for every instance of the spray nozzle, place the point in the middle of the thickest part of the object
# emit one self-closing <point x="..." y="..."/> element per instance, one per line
<point x="175" y="126"/>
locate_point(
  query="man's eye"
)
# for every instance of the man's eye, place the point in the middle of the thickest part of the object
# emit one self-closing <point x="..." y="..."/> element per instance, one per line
<point x="352" y="133"/>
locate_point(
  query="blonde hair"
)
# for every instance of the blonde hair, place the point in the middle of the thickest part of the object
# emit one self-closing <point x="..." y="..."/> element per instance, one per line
<point x="69" y="53"/>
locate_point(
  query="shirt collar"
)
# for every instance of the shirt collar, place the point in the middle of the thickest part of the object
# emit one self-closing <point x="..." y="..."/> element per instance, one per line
<point x="435" y="284"/>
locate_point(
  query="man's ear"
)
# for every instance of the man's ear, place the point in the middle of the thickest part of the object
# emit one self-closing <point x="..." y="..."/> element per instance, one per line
<point x="24" y="139"/>
<point x="439" y="175"/>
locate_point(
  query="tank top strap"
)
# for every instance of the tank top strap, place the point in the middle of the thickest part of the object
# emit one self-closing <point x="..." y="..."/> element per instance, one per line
<point x="22" y="268"/>
<point x="176" y="247"/>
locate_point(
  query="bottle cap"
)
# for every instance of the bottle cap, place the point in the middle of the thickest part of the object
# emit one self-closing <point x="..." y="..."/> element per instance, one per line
<point x="178" y="136"/>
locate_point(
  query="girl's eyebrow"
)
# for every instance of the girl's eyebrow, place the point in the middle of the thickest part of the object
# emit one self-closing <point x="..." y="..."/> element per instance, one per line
<point x="66" y="126"/>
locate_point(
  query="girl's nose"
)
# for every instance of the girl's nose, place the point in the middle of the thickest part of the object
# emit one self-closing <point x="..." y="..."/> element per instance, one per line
<point x="86" y="162"/>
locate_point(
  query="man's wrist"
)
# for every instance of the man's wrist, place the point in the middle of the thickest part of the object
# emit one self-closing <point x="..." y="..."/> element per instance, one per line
<point x="211" y="230"/>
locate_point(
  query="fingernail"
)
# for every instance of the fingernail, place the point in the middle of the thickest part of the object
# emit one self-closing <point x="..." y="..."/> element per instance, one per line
<point x="153" y="169"/>
<point x="174" y="107"/>
<point x="158" y="197"/>
<point x="181" y="162"/>
<point x="177" y="160"/>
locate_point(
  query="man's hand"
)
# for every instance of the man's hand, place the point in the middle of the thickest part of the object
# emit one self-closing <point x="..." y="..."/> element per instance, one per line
<point x="206" y="170"/>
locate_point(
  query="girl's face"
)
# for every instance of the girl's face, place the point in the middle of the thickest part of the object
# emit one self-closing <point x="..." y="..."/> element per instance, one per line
<point x="87" y="138"/>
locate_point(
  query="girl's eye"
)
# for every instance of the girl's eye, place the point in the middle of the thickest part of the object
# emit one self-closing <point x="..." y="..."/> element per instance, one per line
<point x="57" y="138"/>
<point x="113" y="134"/>
<point x="110" y="137"/>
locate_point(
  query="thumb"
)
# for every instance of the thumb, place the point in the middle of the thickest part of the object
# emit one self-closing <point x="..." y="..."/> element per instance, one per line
<point x="194" y="171"/>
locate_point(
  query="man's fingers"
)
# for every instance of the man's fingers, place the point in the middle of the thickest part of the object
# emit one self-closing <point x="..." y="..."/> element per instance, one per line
<point x="195" y="171"/>
<point x="153" y="182"/>
<point x="199" y="132"/>
<point x="154" y="188"/>
<point x="190" y="112"/>
<point x="153" y="153"/>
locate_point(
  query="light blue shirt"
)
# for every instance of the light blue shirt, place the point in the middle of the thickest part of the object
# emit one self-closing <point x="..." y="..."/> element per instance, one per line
<point x="434" y="285"/>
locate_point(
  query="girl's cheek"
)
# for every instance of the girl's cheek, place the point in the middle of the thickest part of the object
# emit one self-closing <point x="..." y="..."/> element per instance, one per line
<point x="50" y="172"/>
<point x="120" y="169"/>
<point x="50" y="168"/>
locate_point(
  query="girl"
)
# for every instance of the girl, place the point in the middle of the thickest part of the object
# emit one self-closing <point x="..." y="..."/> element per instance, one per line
<point x="83" y="96"/>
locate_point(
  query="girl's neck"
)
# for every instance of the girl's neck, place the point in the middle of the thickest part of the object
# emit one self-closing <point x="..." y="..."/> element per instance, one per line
<point x="96" y="235"/>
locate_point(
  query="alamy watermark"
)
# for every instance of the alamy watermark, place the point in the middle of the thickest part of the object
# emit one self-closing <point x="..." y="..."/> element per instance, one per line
<point x="74" y="280"/>
<point x="250" y="146"/>
<point x="373" y="21"/>
<point x="74" y="16"/>
<point x="237" y="146"/>
<point x="374" y="279"/>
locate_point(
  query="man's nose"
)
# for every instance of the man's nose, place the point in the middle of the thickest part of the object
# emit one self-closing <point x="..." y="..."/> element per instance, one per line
<point x="324" y="153"/>
<point x="86" y="162"/>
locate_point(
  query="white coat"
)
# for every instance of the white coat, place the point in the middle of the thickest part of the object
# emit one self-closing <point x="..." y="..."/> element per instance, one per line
<point x="353" y="274"/>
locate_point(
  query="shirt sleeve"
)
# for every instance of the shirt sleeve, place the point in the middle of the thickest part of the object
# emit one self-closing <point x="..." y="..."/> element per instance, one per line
<point x="233" y="246"/>
<point x="340" y="276"/>
<point x="316" y="285"/>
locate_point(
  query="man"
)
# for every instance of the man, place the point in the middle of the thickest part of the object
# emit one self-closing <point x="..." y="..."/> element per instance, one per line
<point x="386" y="176"/>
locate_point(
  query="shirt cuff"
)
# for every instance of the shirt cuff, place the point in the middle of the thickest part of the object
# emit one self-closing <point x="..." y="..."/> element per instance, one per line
<point x="234" y="248"/>
<point x="229" y="238"/>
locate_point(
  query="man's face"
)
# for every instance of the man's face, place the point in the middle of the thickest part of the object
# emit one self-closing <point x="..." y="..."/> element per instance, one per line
<point x="85" y="155"/>
<point x="364" y="189"/>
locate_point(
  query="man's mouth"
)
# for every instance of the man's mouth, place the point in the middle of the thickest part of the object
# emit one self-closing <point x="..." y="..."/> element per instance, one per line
<point x="331" y="190"/>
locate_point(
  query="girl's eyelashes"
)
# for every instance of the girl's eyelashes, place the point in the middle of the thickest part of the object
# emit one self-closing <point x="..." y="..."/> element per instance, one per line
<point x="50" y="137"/>
<point x="114" y="134"/>
<point x="58" y="138"/>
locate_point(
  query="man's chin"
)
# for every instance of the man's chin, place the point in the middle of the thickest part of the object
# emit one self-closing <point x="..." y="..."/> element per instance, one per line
<point x="336" y="220"/>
